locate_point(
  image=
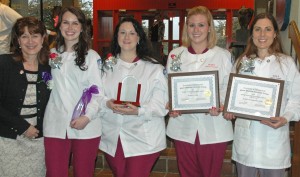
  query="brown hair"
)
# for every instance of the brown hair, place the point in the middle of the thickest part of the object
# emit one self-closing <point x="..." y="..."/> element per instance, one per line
<point x="34" y="27"/>
<point x="251" y="49"/>
<point x="83" y="45"/>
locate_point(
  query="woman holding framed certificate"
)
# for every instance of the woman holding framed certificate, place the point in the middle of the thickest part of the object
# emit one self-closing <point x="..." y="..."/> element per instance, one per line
<point x="264" y="146"/>
<point x="133" y="110"/>
<point x="200" y="138"/>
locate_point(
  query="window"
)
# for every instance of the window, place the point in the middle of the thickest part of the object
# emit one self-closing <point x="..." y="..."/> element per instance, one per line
<point x="220" y="26"/>
<point x="33" y="8"/>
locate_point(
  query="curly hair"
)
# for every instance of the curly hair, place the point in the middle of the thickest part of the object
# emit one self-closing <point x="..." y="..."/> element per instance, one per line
<point x="34" y="26"/>
<point x="81" y="48"/>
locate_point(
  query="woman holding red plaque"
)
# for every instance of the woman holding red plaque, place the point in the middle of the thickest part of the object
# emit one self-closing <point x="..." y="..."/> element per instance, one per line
<point x="200" y="139"/>
<point x="264" y="146"/>
<point x="132" y="136"/>
<point x="76" y="79"/>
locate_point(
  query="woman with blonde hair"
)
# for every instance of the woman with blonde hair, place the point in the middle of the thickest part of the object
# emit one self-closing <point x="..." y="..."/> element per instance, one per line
<point x="200" y="139"/>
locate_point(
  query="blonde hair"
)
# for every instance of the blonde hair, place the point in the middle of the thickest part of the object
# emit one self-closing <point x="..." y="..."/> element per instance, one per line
<point x="211" y="38"/>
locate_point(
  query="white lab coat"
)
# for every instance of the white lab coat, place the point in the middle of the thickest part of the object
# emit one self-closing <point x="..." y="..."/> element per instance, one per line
<point x="258" y="145"/>
<point x="211" y="129"/>
<point x="69" y="83"/>
<point x="8" y="17"/>
<point x="140" y="134"/>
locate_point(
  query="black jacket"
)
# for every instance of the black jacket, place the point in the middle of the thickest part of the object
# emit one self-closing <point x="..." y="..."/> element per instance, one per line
<point x="13" y="85"/>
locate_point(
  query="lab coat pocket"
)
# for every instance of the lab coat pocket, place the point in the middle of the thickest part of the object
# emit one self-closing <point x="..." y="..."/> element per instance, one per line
<point x="241" y="140"/>
<point x="154" y="132"/>
<point x="278" y="144"/>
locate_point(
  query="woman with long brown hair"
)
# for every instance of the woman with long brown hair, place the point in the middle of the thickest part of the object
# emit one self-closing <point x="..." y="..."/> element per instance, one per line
<point x="263" y="147"/>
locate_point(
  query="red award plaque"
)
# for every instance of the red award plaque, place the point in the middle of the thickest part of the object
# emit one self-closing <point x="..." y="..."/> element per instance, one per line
<point x="129" y="91"/>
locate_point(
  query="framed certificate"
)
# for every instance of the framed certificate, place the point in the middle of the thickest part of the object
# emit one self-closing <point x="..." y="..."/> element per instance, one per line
<point x="253" y="97"/>
<point x="193" y="92"/>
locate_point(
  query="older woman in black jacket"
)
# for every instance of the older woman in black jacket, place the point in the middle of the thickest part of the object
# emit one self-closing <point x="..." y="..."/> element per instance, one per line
<point x="25" y="83"/>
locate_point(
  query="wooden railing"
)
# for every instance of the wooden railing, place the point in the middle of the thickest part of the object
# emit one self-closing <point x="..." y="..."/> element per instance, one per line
<point x="294" y="34"/>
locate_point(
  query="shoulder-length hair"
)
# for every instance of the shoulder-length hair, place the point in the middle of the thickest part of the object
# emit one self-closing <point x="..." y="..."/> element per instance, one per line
<point x="251" y="49"/>
<point x="34" y="26"/>
<point x="81" y="48"/>
<point x="212" y="39"/>
<point x="143" y="48"/>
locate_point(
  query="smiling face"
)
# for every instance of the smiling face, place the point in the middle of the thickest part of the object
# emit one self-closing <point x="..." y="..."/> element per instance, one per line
<point x="70" y="28"/>
<point x="197" y="29"/>
<point x="127" y="37"/>
<point x="30" y="44"/>
<point x="263" y="34"/>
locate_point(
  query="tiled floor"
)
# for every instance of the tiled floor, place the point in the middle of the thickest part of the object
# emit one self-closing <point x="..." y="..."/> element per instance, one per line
<point x="107" y="173"/>
<point x="166" y="163"/>
<point x="169" y="152"/>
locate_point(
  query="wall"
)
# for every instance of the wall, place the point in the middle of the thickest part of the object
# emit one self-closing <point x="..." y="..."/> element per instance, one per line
<point x="169" y="4"/>
<point x="295" y="15"/>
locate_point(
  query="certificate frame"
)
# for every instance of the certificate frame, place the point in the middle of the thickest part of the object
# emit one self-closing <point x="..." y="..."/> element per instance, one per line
<point x="193" y="82"/>
<point x="252" y="97"/>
